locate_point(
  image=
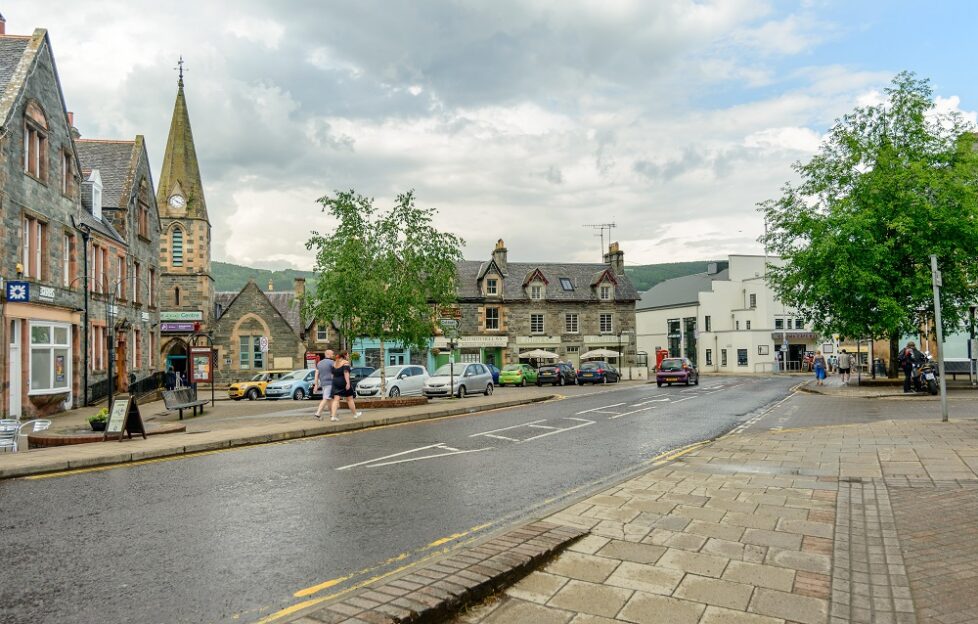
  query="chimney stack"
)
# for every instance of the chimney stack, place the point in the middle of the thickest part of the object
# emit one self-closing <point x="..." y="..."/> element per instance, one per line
<point x="300" y="287"/>
<point x="615" y="258"/>
<point x="499" y="255"/>
<point x="271" y="286"/>
<point x="3" y="26"/>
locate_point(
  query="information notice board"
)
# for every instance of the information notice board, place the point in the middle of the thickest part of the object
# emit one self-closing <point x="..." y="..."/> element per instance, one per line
<point x="124" y="417"/>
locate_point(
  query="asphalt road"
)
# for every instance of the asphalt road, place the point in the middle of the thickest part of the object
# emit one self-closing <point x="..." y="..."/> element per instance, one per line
<point x="237" y="535"/>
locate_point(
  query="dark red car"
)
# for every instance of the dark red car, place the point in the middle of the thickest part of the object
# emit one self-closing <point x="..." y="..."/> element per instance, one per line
<point x="677" y="370"/>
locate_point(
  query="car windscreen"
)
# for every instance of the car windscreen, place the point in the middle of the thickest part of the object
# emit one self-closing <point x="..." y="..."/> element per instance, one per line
<point x="671" y="365"/>
<point x="390" y="371"/>
<point x="512" y="367"/>
<point x="445" y="370"/>
<point x="592" y="365"/>
<point x="547" y="369"/>
<point x="299" y="374"/>
<point x="258" y="377"/>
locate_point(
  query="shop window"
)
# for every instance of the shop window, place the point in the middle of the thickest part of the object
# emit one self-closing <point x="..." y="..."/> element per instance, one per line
<point x="741" y="357"/>
<point x="536" y="323"/>
<point x="492" y="318"/>
<point x="50" y="365"/>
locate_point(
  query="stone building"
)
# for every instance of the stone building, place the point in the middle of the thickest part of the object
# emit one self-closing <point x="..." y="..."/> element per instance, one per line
<point x="39" y="245"/>
<point x="243" y="318"/>
<point x="120" y="219"/>
<point x="507" y="308"/>
<point x="186" y="286"/>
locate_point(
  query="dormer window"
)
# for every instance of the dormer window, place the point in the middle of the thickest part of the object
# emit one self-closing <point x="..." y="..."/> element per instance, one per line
<point x="605" y="293"/>
<point x="536" y="292"/>
<point x="566" y="284"/>
<point x="492" y="286"/>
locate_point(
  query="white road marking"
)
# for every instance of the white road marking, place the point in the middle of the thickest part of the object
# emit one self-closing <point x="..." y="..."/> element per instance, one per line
<point x="603" y="407"/>
<point x="644" y="409"/>
<point x="542" y="427"/>
<point x="499" y="437"/>
<point x="370" y="461"/>
<point x="412" y="459"/>
<point x="684" y="399"/>
<point x="663" y="400"/>
<point x="533" y="422"/>
<point x="584" y="423"/>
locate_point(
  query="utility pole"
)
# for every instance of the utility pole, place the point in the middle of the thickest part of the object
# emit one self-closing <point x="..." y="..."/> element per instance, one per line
<point x="602" y="227"/>
<point x="936" y="277"/>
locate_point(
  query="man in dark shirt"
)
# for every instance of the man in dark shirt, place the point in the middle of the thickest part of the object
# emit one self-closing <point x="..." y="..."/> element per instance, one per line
<point x="324" y="381"/>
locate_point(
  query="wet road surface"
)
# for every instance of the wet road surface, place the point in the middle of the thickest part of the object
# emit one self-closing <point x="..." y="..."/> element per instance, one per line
<point x="239" y="535"/>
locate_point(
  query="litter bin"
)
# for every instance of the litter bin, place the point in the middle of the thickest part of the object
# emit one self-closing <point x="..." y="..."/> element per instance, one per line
<point x="879" y="367"/>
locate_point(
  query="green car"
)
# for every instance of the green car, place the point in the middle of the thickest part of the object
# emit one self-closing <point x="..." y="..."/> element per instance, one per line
<point x="517" y="374"/>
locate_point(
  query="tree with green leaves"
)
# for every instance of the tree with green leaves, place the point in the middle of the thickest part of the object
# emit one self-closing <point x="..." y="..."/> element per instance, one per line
<point x="892" y="183"/>
<point x="383" y="274"/>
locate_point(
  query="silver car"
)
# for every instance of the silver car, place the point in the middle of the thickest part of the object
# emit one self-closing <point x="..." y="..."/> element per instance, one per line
<point x="470" y="378"/>
<point x="401" y="381"/>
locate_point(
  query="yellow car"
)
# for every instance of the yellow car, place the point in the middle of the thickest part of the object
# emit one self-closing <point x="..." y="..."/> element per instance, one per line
<point x="254" y="388"/>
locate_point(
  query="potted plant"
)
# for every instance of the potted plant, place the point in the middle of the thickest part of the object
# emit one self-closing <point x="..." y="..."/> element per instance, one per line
<point x="99" y="419"/>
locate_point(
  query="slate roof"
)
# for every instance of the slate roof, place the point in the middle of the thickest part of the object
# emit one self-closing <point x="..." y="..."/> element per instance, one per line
<point x="679" y="291"/>
<point x="283" y="301"/>
<point x="180" y="162"/>
<point x="115" y="161"/>
<point x="99" y="226"/>
<point x="11" y="53"/>
<point x="582" y="277"/>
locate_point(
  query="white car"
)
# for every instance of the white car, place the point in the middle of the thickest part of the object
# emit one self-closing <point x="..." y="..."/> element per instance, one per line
<point x="401" y="381"/>
<point x="470" y="378"/>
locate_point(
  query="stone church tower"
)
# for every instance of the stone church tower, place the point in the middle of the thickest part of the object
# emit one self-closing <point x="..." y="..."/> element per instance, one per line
<point x="186" y="285"/>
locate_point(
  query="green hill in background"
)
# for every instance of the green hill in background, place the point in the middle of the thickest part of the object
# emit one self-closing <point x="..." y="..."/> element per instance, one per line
<point x="646" y="276"/>
<point x="232" y="277"/>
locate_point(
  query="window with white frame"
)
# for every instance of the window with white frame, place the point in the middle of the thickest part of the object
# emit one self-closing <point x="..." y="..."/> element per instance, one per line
<point x="709" y="357"/>
<point x="604" y="323"/>
<point x="250" y="354"/>
<point x="723" y="357"/>
<point x="536" y="291"/>
<point x="152" y="287"/>
<point x="573" y="349"/>
<point x="799" y="323"/>
<point x="66" y="261"/>
<point x="753" y="300"/>
<point x="748" y="324"/>
<point x="741" y="357"/>
<point x="571" y="323"/>
<point x="536" y="323"/>
<point x="34" y="239"/>
<point x="322" y="333"/>
<point x="778" y="323"/>
<point x="492" y="286"/>
<point x="492" y="318"/>
<point x="50" y="367"/>
<point x="605" y="293"/>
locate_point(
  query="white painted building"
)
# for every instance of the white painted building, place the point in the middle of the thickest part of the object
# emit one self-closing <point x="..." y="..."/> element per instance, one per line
<point x="727" y="320"/>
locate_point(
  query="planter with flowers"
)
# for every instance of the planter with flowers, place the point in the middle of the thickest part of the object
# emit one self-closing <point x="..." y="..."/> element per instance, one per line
<point x="98" y="420"/>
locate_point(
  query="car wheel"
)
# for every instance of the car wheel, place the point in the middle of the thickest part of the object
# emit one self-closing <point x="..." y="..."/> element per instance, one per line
<point x="658" y="383"/>
<point x="604" y="379"/>
<point x="394" y="392"/>
<point x="696" y="381"/>
<point x="560" y="380"/>
<point x="461" y="392"/>
<point x="687" y="381"/>
<point x="523" y="382"/>
<point x="488" y="389"/>
<point x="299" y="394"/>
<point x="253" y="394"/>
<point x="539" y="383"/>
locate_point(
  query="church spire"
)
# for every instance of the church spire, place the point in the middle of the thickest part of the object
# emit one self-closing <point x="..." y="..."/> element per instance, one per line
<point x="179" y="190"/>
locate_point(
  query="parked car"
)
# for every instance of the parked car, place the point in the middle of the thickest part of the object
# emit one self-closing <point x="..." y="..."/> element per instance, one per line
<point x="556" y="374"/>
<point x="597" y="372"/>
<point x="357" y="374"/>
<point x="495" y="373"/>
<point x="297" y="384"/>
<point x="401" y="381"/>
<point x="677" y="370"/>
<point x="470" y="378"/>
<point x="254" y="388"/>
<point x="517" y="375"/>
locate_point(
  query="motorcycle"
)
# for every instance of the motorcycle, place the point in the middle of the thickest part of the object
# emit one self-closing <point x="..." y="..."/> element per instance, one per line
<point x="924" y="377"/>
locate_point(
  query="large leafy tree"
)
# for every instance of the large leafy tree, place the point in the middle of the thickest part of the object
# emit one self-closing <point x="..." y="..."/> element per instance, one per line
<point x="892" y="183"/>
<point x="382" y="274"/>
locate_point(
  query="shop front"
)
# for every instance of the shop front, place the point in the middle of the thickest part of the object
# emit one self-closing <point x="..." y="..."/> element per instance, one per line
<point x="485" y="349"/>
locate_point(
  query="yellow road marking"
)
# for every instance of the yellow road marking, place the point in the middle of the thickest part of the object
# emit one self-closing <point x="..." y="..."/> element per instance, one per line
<point x="668" y="456"/>
<point x="315" y="589"/>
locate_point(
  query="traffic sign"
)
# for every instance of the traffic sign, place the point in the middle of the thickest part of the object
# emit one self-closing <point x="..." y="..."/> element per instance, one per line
<point x="448" y="323"/>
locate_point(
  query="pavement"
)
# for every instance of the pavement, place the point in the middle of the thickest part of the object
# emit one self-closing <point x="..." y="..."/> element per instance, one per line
<point x="784" y="520"/>
<point x="241" y="423"/>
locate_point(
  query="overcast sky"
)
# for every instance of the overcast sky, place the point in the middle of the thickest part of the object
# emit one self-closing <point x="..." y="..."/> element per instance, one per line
<point x="518" y="119"/>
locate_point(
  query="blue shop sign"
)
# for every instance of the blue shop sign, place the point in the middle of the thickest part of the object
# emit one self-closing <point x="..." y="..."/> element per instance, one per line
<point x="18" y="291"/>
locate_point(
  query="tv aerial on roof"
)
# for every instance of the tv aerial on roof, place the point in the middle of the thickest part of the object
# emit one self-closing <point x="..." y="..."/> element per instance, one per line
<point x="602" y="227"/>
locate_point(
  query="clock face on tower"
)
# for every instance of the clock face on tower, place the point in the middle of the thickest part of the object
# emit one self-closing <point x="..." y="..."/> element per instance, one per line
<point x="177" y="201"/>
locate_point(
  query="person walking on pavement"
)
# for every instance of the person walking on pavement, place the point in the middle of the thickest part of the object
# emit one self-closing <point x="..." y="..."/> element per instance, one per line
<point x="909" y="356"/>
<point x="170" y="379"/>
<point x="818" y="362"/>
<point x="845" y="365"/>
<point x="324" y="381"/>
<point x="342" y="388"/>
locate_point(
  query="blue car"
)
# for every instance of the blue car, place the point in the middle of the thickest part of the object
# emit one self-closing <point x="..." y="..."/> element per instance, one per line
<point x="297" y="384"/>
<point x="495" y="373"/>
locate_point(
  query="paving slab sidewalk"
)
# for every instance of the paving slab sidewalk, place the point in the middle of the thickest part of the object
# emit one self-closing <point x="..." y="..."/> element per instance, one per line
<point x="853" y="523"/>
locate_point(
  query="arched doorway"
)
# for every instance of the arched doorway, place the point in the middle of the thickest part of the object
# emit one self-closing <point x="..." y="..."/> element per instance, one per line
<point x="176" y="356"/>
